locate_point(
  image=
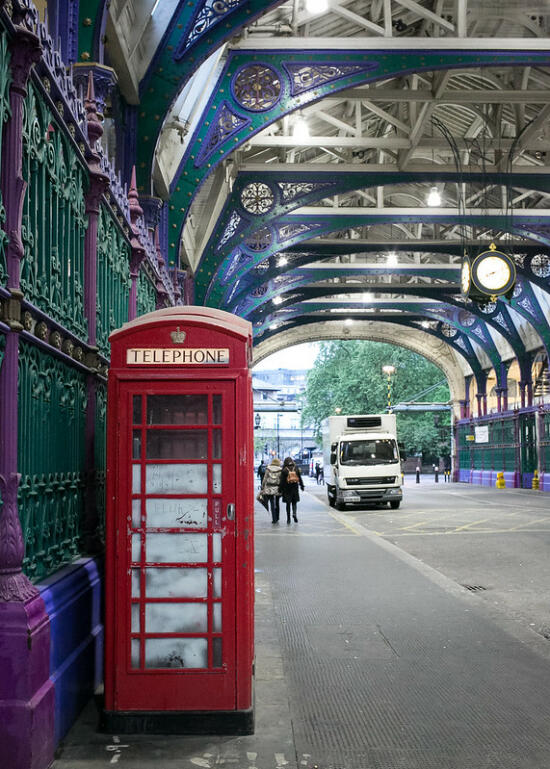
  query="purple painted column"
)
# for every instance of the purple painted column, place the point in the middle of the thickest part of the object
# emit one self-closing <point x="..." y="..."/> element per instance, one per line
<point x="26" y="692"/>
<point x="138" y="252"/>
<point x="161" y="291"/>
<point x="98" y="184"/>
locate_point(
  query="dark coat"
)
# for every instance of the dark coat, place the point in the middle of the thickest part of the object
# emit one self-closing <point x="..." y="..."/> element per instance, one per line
<point x="290" y="490"/>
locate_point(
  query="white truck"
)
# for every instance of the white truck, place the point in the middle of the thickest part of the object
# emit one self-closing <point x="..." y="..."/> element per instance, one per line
<point x="361" y="460"/>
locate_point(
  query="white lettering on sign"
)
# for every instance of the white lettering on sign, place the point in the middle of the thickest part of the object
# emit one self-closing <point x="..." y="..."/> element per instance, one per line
<point x="167" y="356"/>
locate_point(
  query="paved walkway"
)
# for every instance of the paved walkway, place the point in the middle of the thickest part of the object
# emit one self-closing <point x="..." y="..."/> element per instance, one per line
<point x="366" y="659"/>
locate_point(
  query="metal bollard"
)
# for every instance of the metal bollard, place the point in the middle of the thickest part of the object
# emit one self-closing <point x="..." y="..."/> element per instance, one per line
<point x="535" y="484"/>
<point x="500" y="483"/>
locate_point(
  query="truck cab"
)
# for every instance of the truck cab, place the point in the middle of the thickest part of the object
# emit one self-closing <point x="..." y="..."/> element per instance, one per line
<point x="362" y="462"/>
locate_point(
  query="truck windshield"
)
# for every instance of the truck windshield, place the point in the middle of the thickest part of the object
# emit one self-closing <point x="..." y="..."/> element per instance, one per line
<point x="374" y="452"/>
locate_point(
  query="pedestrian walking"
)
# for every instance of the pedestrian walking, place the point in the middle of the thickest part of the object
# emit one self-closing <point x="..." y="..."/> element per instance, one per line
<point x="261" y="472"/>
<point x="436" y="473"/>
<point x="291" y="481"/>
<point x="418" y="473"/>
<point x="317" y="472"/>
<point x="270" y="487"/>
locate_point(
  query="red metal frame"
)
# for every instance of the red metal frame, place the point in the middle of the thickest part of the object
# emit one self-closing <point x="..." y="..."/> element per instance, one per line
<point x="129" y="686"/>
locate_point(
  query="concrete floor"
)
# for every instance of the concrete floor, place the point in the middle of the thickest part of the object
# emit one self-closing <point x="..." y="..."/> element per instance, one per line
<point x="370" y="652"/>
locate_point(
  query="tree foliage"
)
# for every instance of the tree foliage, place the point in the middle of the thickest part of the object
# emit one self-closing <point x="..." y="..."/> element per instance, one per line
<point x="348" y="375"/>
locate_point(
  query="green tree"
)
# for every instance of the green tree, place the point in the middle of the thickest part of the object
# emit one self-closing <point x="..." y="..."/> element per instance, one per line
<point x="348" y="375"/>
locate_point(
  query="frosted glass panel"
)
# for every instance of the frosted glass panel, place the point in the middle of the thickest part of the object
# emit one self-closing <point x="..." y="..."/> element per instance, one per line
<point x="176" y="479"/>
<point x="136" y="513"/>
<point x="216" y="479"/>
<point x="135" y="653"/>
<point x="177" y="409"/>
<point x="217" y="652"/>
<point x="217" y="617"/>
<point x="136" y="444"/>
<point x="217" y="583"/>
<point x="177" y="444"/>
<point x="216" y="547"/>
<point x="216" y="444"/>
<point x="136" y="585"/>
<point x="136" y="479"/>
<point x="175" y="618"/>
<point x="135" y="618"/>
<point x="176" y="583"/>
<point x="136" y="547"/>
<point x="176" y="653"/>
<point x="173" y="548"/>
<point x="173" y="513"/>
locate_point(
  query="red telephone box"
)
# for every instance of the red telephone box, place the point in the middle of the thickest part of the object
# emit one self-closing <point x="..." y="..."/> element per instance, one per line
<point x="179" y="557"/>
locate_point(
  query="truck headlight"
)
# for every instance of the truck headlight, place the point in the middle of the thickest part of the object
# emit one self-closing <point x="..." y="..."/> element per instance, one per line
<point x="350" y="495"/>
<point x="396" y="490"/>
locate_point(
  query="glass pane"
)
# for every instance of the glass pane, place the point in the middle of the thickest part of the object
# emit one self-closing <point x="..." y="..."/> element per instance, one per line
<point x="136" y="513"/>
<point x="217" y="618"/>
<point x="176" y="583"/>
<point x="136" y="444"/>
<point x="216" y="479"/>
<point x="176" y="653"/>
<point x="136" y="547"/>
<point x="190" y="513"/>
<point x="173" y="548"/>
<point x="176" y="479"/>
<point x="217" y="652"/>
<point x="216" y="444"/>
<point x="137" y="409"/>
<point x="177" y="444"/>
<point x="216" y="547"/>
<point x="135" y="618"/>
<point x="177" y="410"/>
<point x="136" y="479"/>
<point x="136" y="584"/>
<point x="217" y="591"/>
<point x="135" y="652"/>
<point x="217" y="409"/>
<point x="175" y="618"/>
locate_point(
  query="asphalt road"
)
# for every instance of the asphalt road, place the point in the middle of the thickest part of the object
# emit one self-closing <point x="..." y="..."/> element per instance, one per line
<point x="494" y="541"/>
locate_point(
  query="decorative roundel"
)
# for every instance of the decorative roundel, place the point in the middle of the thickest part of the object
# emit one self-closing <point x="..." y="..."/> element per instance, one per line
<point x="448" y="330"/>
<point x="466" y="318"/>
<point x="259" y="291"/>
<point x="257" y="198"/>
<point x="257" y="87"/>
<point x="540" y="264"/>
<point x="260" y="240"/>
<point x="488" y="308"/>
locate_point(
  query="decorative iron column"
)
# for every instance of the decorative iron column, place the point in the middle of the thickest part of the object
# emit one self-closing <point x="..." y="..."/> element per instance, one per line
<point x="26" y="691"/>
<point x="98" y="185"/>
<point x="138" y="251"/>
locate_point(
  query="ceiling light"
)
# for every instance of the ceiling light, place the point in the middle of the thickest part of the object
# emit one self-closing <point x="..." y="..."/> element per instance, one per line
<point x="434" y="198"/>
<point x="277" y="299"/>
<point x="392" y="259"/>
<point x="301" y="129"/>
<point x="348" y="321"/>
<point x="273" y="326"/>
<point x="282" y="261"/>
<point x="425" y="324"/>
<point x="316" y="6"/>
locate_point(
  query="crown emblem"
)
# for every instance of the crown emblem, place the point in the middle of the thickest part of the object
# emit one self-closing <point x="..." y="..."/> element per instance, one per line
<point x="178" y="336"/>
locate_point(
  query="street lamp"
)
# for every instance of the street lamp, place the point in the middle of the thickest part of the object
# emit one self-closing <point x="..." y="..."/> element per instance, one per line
<point x="281" y="404"/>
<point x="389" y="371"/>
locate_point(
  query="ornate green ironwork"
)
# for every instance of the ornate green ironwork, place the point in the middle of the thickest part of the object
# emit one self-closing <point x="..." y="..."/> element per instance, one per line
<point x="5" y="81"/>
<point x="113" y="277"/>
<point x="100" y="442"/>
<point x="499" y="454"/>
<point x="52" y="417"/>
<point x="146" y="293"/>
<point x="54" y="218"/>
<point x="544" y="443"/>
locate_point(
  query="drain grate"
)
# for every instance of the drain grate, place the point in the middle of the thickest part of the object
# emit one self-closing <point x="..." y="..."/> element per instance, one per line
<point x="474" y="588"/>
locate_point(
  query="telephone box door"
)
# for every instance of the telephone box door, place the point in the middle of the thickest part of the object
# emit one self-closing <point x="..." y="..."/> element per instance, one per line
<point x="175" y="619"/>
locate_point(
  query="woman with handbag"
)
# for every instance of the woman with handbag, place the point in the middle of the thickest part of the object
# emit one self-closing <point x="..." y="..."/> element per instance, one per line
<point x="291" y="479"/>
<point x="270" y="487"/>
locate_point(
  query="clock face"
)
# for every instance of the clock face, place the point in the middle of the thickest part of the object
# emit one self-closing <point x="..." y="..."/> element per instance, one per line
<point x="465" y="276"/>
<point x="493" y="273"/>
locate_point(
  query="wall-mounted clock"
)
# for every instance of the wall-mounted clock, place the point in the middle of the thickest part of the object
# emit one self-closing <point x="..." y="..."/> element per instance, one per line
<point x="493" y="274"/>
<point x="465" y="276"/>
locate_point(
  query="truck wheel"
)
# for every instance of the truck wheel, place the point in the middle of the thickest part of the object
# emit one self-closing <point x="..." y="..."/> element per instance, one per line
<point x="340" y="506"/>
<point x="331" y="495"/>
<point x="395" y="505"/>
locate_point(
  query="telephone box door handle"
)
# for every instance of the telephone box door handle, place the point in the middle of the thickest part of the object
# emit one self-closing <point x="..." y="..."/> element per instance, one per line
<point x="231" y="511"/>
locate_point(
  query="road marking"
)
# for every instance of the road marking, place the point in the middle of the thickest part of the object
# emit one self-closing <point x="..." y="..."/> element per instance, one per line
<point x="520" y="526"/>
<point x="473" y="523"/>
